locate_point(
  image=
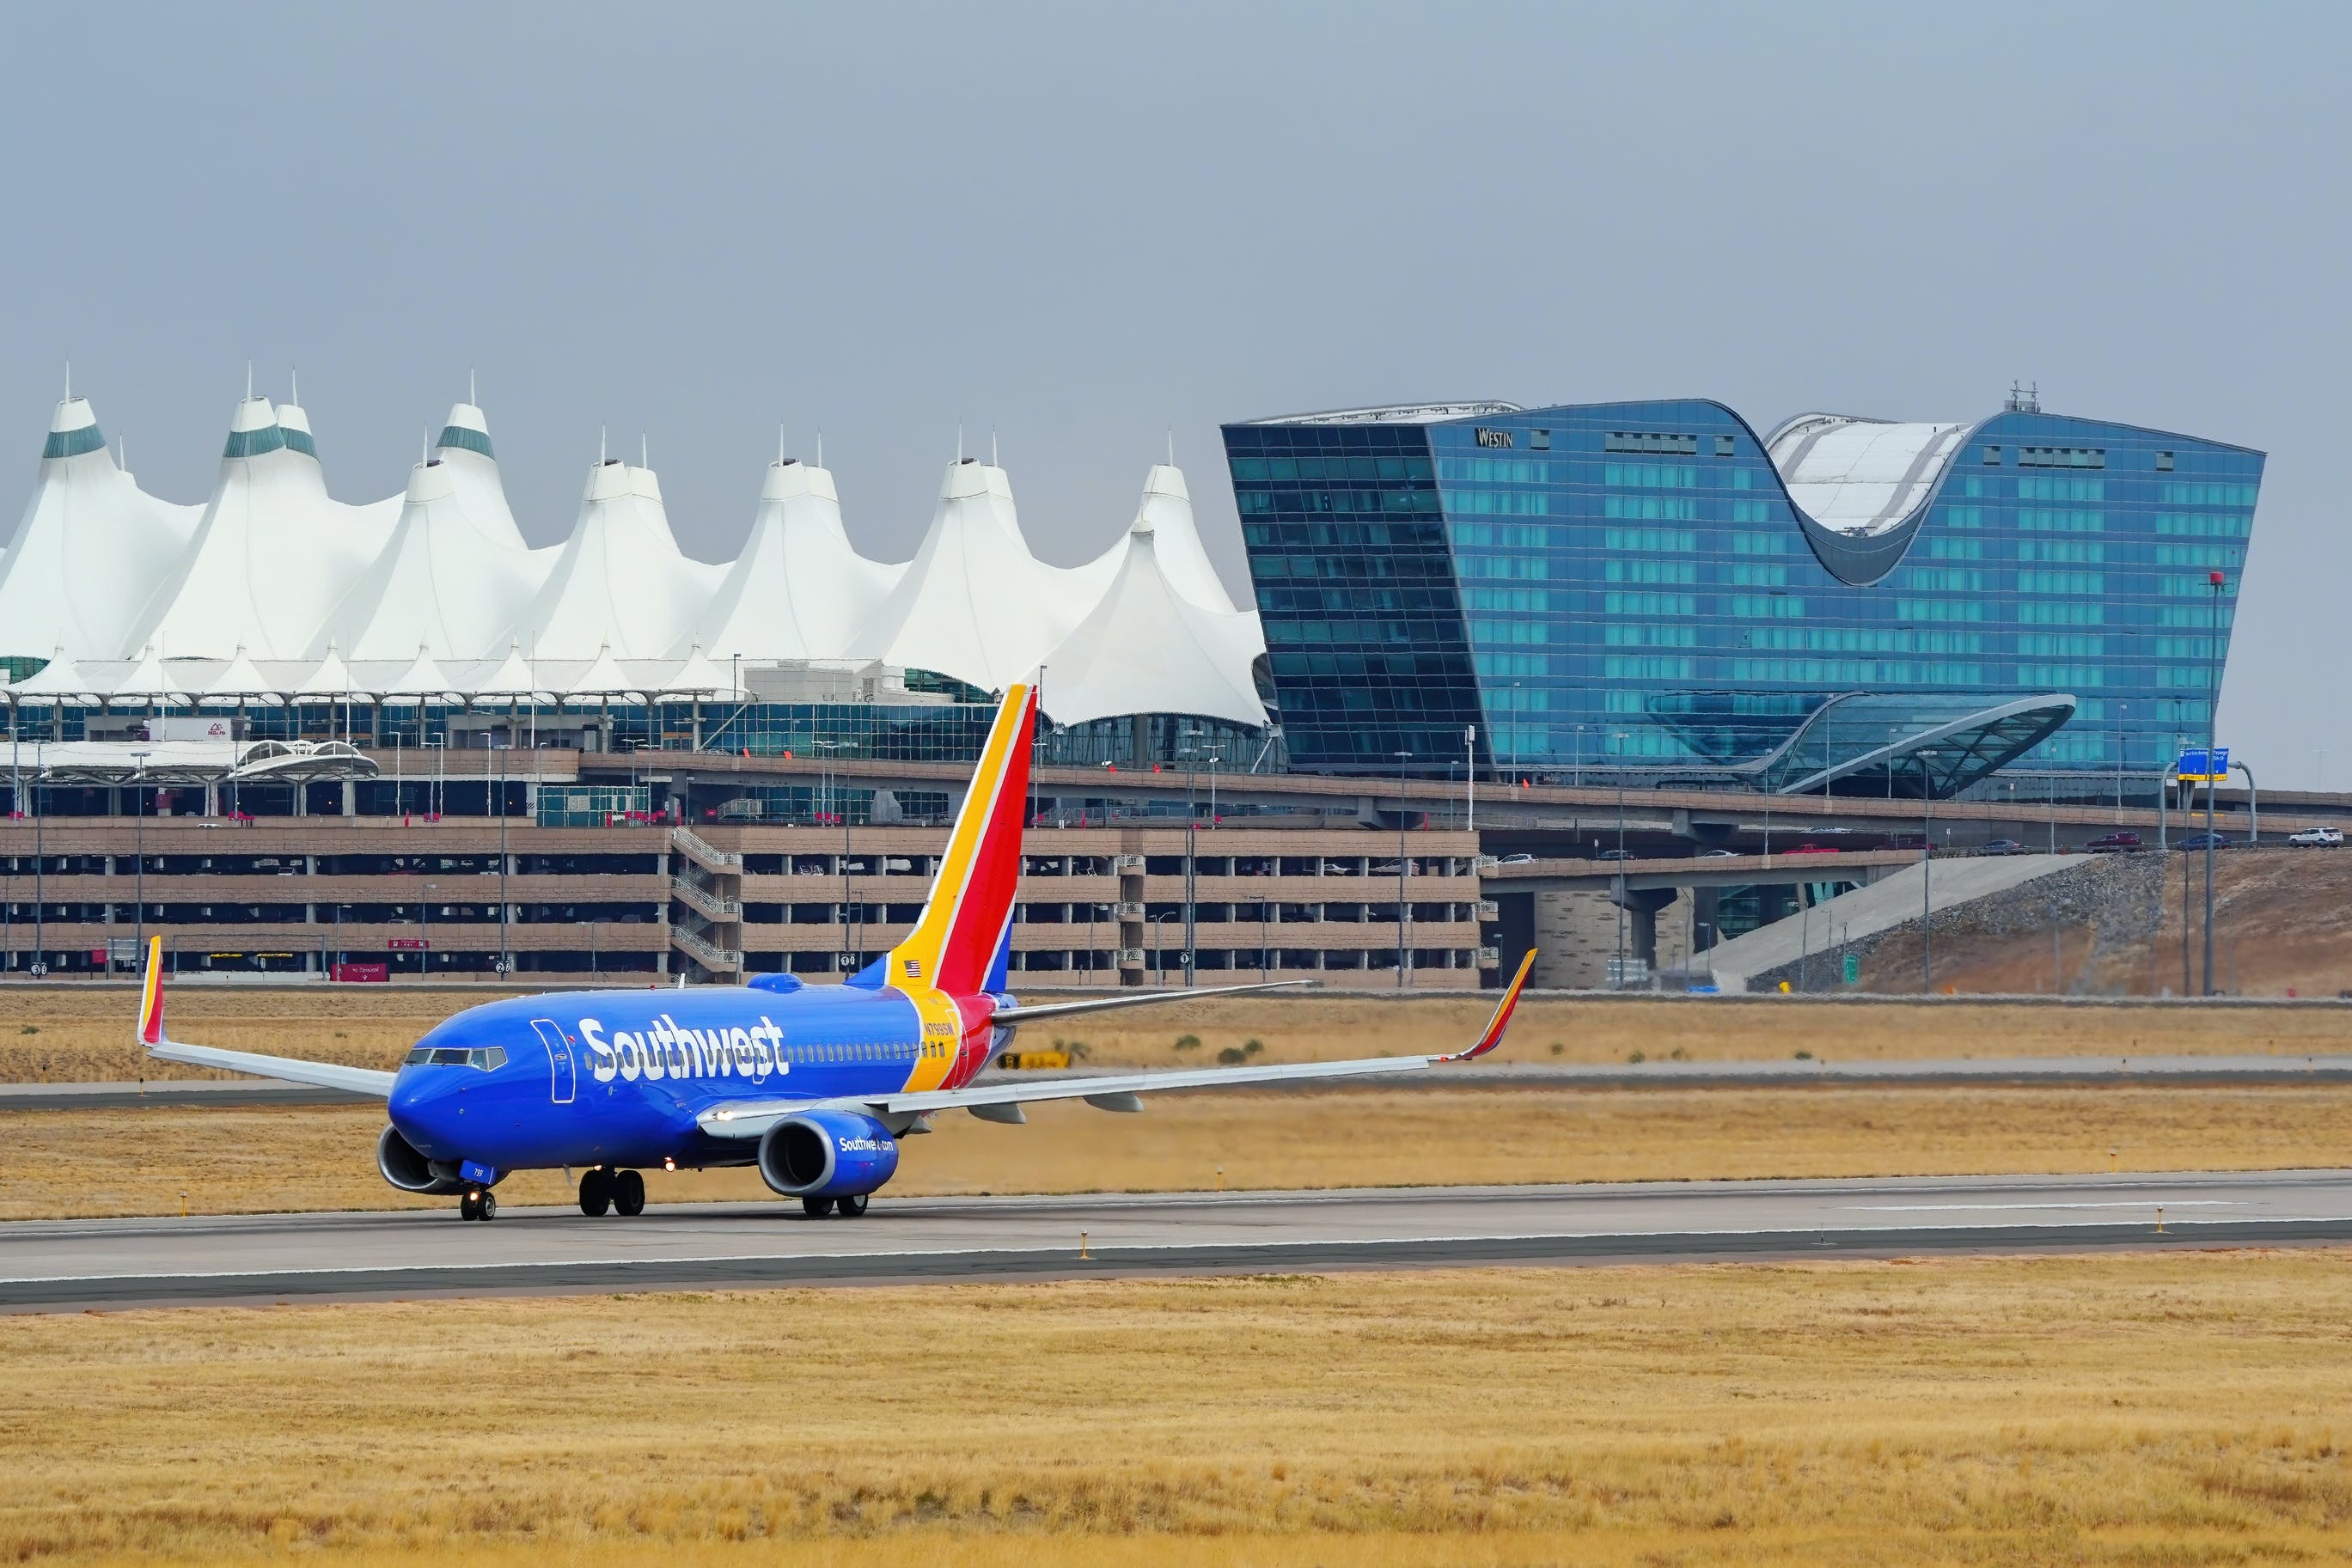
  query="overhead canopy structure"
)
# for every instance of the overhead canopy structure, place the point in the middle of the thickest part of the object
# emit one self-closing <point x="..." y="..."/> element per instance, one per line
<point x="274" y="552"/>
<point x="171" y="763"/>
<point x="91" y="549"/>
<point x="1908" y="743"/>
<point x="60" y="680"/>
<point x="620" y="582"/>
<point x="799" y="590"/>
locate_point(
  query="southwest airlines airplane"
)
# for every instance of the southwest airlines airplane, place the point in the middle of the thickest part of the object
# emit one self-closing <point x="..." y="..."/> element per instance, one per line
<point x="815" y="1085"/>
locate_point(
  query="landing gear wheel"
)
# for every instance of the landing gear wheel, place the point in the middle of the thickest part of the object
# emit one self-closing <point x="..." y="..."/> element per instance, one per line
<point x="595" y="1192"/>
<point x="816" y="1207"/>
<point x="487" y="1208"/>
<point x="629" y="1194"/>
<point x="470" y="1207"/>
<point x="850" y="1208"/>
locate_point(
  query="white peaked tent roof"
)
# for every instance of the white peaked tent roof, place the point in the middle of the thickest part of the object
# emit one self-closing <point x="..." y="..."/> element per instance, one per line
<point x="1147" y="648"/>
<point x="465" y="451"/>
<point x="331" y="679"/>
<point x="240" y="679"/>
<point x="61" y="679"/>
<point x="1167" y="511"/>
<point x="273" y="554"/>
<point x="974" y="603"/>
<point x="424" y="680"/>
<point x="698" y="676"/>
<point x="513" y="678"/>
<point x="438" y="581"/>
<point x="620" y="580"/>
<point x="799" y="589"/>
<point x="91" y="549"/>
<point x="151" y="677"/>
<point x="604" y="677"/>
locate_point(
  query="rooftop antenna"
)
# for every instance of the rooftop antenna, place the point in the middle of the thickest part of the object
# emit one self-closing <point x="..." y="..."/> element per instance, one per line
<point x="294" y="386"/>
<point x="2024" y="398"/>
<point x="469" y="389"/>
<point x="600" y="446"/>
<point x="959" y="441"/>
<point x="820" y="448"/>
<point x="992" y="446"/>
<point x="69" y="380"/>
<point x="644" y="451"/>
<point x="779" y="446"/>
<point x="1172" y="446"/>
<point x="248" y="380"/>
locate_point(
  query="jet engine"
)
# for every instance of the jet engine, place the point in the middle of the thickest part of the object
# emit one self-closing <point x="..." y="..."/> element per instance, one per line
<point x="827" y="1154"/>
<point x="407" y="1168"/>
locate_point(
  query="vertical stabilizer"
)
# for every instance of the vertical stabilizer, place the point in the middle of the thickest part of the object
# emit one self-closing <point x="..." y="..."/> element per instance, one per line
<point x="954" y="943"/>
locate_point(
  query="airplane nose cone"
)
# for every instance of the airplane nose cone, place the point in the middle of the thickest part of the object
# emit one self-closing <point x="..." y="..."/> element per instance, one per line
<point x="423" y="1106"/>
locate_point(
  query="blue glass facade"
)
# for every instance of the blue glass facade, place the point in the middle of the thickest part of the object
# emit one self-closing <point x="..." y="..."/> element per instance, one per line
<point x="1629" y="585"/>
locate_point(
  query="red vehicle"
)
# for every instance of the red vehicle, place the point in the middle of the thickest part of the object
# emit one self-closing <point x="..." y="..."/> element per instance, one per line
<point x="2110" y="844"/>
<point x="1811" y="848"/>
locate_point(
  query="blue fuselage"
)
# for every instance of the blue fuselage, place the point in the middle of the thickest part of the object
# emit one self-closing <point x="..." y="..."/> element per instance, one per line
<point x="617" y="1078"/>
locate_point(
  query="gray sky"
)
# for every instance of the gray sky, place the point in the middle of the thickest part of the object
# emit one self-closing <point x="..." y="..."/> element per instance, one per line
<point x="1082" y="227"/>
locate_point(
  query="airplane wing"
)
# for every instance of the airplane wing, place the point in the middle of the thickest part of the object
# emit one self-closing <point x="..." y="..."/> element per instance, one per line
<point x="1018" y="1014"/>
<point x="324" y="1074"/>
<point x="1118" y="1092"/>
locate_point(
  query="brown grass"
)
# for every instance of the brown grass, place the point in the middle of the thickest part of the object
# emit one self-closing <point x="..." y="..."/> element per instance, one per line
<point x="243" y="1161"/>
<point x="2181" y="1409"/>
<point x="85" y="1036"/>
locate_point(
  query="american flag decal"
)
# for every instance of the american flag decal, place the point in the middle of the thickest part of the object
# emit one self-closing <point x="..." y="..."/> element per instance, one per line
<point x="914" y="968"/>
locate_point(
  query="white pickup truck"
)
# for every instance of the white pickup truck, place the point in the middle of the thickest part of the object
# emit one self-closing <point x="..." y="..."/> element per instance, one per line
<point x="2317" y="839"/>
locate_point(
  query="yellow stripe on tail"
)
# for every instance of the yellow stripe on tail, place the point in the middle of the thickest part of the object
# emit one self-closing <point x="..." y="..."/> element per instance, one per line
<point x="151" y="995"/>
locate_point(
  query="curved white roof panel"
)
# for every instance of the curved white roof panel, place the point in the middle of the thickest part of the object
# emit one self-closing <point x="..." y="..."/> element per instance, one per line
<point x="91" y="549"/>
<point x="620" y="584"/>
<point x="464" y="450"/>
<point x="1166" y="513"/>
<point x="1861" y="476"/>
<point x="438" y="582"/>
<point x="1149" y="648"/>
<point x="799" y="590"/>
<point x="272" y="556"/>
<point x="974" y="603"/>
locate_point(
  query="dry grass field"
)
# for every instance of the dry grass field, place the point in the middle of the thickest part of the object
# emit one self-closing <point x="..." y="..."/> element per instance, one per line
<point x="2183" y="1409"/>
<point x="66" y="1036"/>
<point x="57" y="1164"/>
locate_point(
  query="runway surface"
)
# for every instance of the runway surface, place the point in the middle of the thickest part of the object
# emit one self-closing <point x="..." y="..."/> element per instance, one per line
<point x="48" y="1265"/>
<point x="1925" y="1073"/>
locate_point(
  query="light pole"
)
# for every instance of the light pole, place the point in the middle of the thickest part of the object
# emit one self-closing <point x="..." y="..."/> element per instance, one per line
<point x="139" y="855"/>
<point x="2212" y="706"/>
<point x="1927" y="865"/>
<point x="505" y="959"/>
<point x="1404" y="910"/>
<point x="40" y="869"/>
<point x="1159" y="957"/>
<point x="2121" y="709"/>
<point x="1618" y="738"/>
<point x="424" y="927"/>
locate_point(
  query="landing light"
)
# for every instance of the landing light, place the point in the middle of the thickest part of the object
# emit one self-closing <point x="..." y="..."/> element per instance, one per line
<point x="726" y="1116"/>
<point x="669" y="1162"/>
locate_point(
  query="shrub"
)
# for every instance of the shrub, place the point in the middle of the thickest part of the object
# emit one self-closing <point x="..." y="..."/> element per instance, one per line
<point x="1804" y="1056"/>
<point x="1557" y="1047"/>
<point x="1232" y="1056"/>
<point x="29" y="1029"/>
<point x="1252" y="1047"/>
<point x="1187" y="1042"/>
<point x="1678" y="1054"/>
<point x="1637" y="1057"/>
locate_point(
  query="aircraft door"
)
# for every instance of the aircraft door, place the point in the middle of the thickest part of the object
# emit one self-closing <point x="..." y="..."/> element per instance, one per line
<point x="563" y="1079"/>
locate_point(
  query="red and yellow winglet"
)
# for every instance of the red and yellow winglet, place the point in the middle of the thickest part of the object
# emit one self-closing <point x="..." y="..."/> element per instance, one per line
<point x="151" y="995"/>
<point x="1503" y="1010"/>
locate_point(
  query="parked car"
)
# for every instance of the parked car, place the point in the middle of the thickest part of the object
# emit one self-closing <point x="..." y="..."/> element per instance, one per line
<point x="2110" y="844"/>
<point x="1516" y="859"/>
<point x="1615" y="855"/>
<point x="2000" y="847"/>
<point x="1811" y="848"/>
<point x="2317" y="839"/>
<point x="2204" y="841"/>
<point x="1715" y="854"/>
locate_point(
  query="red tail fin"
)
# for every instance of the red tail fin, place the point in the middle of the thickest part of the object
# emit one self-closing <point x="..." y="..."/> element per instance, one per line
<point x="954" y="941"/>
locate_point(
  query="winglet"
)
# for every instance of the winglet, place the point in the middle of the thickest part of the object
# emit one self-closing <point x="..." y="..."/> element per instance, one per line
<point x="1501" y="1018"/>
<point x="151" y="995"/>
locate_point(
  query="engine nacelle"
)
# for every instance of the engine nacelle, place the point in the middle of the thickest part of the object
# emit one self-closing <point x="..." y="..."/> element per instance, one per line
<point x="407" y="1168"/>
<point x="827" y="1154"/>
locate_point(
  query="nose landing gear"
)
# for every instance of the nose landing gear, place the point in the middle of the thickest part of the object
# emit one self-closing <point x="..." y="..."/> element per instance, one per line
<point x="479" y="1203"/>
<point x="623" y="1192"/>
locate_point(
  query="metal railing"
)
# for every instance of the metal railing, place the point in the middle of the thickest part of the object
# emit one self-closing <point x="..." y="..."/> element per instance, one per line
<point x="712" y="955"/>
<point x="703" y="850"/>
<point x="703" y="899"/>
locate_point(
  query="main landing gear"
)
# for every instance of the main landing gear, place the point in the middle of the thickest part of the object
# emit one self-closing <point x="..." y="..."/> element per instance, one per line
<point x="622" y="1191"/>
<point x="850" y="1208"/>
<point x="479" y="1203"/>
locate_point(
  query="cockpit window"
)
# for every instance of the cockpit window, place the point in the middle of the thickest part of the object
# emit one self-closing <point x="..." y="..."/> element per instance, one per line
<point x="485" y="1057"/>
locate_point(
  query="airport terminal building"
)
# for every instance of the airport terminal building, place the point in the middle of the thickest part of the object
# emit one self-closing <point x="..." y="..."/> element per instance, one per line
<point x="1656" y="592"/>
